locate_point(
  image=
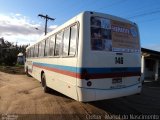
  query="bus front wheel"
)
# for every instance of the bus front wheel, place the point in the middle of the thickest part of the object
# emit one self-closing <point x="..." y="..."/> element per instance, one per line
<point x="44" y="85"/>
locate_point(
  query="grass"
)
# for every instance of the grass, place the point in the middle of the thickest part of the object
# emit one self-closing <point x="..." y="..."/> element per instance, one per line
<point x="17" y="69"/>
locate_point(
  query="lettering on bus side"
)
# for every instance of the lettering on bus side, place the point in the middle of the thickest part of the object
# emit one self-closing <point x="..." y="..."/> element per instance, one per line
<point x="118" y="60"/>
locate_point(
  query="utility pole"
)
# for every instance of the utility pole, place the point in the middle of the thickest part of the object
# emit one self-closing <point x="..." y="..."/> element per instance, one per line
<point x="46" y="17"/>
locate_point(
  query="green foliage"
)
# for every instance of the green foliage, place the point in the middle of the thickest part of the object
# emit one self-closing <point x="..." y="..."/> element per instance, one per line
<point x="19" y="65"/>
<point x="9" y="52"/>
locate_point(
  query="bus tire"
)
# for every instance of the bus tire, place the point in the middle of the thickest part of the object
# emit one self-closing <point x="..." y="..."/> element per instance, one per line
<point x="44" y="85"/>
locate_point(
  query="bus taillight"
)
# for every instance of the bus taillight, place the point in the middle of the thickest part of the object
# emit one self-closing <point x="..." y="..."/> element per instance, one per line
<point x="85" y="74"/>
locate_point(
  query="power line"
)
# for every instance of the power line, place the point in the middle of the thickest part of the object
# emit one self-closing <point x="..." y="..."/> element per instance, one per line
<point x="144" y="14"/>
<point x="136" y="9"/>
<point x="113" y="4"/>
<point x="149" y="20"/>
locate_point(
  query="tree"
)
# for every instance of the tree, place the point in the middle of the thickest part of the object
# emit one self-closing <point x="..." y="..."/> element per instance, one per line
<point x="9" y="52"/>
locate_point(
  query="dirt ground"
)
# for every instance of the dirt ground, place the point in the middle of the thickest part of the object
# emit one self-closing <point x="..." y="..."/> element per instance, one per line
<point x="22" y="97"/>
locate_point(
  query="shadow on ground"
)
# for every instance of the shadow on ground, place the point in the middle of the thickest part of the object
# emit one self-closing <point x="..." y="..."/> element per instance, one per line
<point x="145" y="103"/>
<point x="148" y="102"/>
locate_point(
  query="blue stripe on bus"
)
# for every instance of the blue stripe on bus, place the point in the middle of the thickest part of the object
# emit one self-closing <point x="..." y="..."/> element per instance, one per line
<point x="91" y="70"/>
<point x="67" y="68"/>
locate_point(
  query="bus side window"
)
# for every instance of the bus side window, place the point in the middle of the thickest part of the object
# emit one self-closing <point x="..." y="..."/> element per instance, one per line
<point x="51" y="45"/>
<point x="73" y="40"/>
<point x="31" y="51"/>
<point x="43" y="47"/>
<point x="66" y="42"/>
<point x="47" y="47"/>
<point x="27" y="54"/>
<point x="58" y="44"/>
<point x="39" y="53"/>
<point x="41" y="50"/>
<point x="36" y="50"/>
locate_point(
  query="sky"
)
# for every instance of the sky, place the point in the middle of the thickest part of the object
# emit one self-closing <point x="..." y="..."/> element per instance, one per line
<point x="19" y="18"/>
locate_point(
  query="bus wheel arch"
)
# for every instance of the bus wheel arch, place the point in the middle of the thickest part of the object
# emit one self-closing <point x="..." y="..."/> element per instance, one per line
<point x="43" y="82"/>
<point x="26" y="71"/>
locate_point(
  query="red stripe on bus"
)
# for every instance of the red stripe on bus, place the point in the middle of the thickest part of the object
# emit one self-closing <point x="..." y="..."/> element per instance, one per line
<point x="72" y="74"/>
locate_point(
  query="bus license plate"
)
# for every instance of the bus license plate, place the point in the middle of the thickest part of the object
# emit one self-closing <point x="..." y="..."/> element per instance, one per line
<point x="117" y="81"/>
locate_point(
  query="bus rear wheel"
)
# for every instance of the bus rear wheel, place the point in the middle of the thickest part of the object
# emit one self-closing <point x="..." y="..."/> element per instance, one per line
<point x="44" y="85"/>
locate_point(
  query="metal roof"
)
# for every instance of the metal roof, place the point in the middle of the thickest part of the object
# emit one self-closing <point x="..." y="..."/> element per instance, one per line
<point x="150" y="53"/>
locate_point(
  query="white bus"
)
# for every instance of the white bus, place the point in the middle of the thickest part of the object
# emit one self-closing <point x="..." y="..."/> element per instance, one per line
<point x="93" y="56"/>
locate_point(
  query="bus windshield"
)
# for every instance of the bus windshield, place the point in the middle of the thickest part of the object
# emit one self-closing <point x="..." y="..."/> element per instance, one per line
<point x="113" y="35"/>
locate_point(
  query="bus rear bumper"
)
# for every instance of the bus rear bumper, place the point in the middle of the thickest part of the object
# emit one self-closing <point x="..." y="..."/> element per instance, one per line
<point x="90" y="94"/>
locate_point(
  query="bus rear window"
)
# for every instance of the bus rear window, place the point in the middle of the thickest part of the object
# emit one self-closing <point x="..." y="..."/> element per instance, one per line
<point x="112" y="35"/>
